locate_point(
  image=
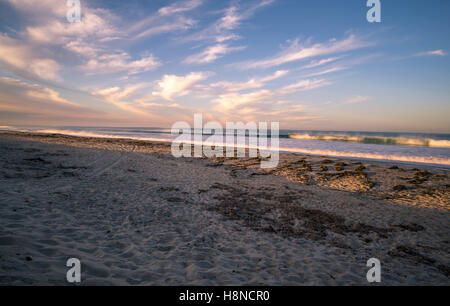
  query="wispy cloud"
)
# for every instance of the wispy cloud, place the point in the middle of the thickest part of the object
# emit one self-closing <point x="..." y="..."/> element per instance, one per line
<point x="179" y="7"/>
<point x="316" y="63"/>
<point x="166" y="20"/>
<point x="212" y="53"/>
<point x="111" y="63"/>
<point x="226" y="86"/>
<point x="253" y="83"/>
<point x="357" y="99"/>
<point x="222" y="29"/>
<point x="431" y="53"/>
<point x="179" y="24"/>
<point x="295" y="52"/>
<point x="304" y="85"/>
<point x="33" y="101"/>
<point x="326" y="71"/>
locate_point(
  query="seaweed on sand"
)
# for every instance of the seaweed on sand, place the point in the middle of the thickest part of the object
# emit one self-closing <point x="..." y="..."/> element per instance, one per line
<point x="282" y="214"/>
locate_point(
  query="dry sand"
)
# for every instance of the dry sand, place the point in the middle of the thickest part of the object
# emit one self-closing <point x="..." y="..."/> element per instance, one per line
<point x="135" y="215"/>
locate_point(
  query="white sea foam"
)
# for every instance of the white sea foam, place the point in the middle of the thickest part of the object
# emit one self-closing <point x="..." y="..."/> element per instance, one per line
<point x="422" y="142"/>
<point x="375" y="156"/>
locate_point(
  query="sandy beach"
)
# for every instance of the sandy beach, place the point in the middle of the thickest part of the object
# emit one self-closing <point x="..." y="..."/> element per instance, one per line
<point x="135" y="215"/>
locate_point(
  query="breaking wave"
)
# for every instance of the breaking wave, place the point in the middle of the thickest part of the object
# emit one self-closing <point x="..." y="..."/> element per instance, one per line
<point x="412" y="159"/>
<point x="421" y="142"/>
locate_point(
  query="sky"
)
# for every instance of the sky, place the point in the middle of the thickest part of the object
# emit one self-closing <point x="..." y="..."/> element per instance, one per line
<point x="310" y="65"/>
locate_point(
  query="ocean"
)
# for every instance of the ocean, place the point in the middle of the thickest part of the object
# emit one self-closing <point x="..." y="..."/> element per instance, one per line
<point x="402" y="148"/>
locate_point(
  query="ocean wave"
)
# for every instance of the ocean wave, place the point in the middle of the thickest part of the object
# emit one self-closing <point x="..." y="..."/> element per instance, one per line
<point x="420" y="142"/>
<point x="413" y="159"/>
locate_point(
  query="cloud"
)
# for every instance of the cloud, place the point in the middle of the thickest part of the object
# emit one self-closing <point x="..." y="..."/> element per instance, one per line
<point x="46" y="46"/>
<point x="296" y="52"/>
<point x="48" y="31"/>
<point x="261" y="105"/>
<point x="343" y="65"/>
<point x="326" y="71"/>
<point x="167" y="19"/>
<point x="432" y="53"/>
<point x="304" y="85"/>
<point x="222" y="29"/>
<point x="276" y="75"/>
<point x="231" y="20"/>
<point x="27" y="101"/>
<point x="132" y="99"/>
<point x="225" y="37"/>
<point x="317" y="63"/>
<point x="245" y="102"/>
<point x="93" y="26"/>
<point x="46" y="69"/>
<point x="250" y="84"/>
<point x="180" y="24"/>
<point x="357" y="99"/>
<point x="179" y="7"/>
<point x="234" y="15"/>
<point x="85" y="50"/>
<point x="231" y="101"/>
<point x="290" y="112"/>
<point x="47" y="22"/>
<point x="122" y="98"/>
<point x="172" y="86"/>
<point x="23" y="59"/>
<point x="112" y="63"/>
<point x="211" y="54"/>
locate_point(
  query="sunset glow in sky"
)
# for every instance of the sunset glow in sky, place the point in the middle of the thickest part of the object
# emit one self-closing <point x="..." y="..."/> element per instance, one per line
<point x="307" y="64"/>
